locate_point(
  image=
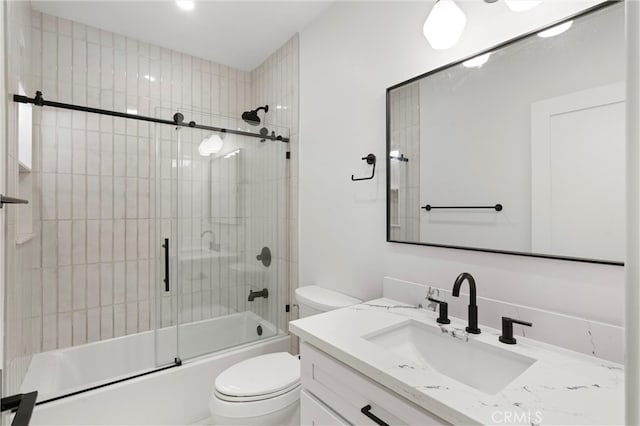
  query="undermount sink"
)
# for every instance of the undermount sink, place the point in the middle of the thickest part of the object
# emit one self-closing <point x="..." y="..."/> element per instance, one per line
<point x="476" y="364"/>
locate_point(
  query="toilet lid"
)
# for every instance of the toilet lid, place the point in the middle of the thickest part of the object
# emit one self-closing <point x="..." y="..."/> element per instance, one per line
<point x="323" y="299"/>
<point x="261" y="375"/>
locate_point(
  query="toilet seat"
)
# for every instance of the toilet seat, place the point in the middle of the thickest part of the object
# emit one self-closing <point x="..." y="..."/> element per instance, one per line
<point x="229" y="398"/>
<point x="240" y="409"/>
<point x="259" y="377"/>
<point x="257" y="386"/>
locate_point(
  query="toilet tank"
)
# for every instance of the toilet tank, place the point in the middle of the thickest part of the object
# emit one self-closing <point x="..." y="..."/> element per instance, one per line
<point x="314" y="300"/>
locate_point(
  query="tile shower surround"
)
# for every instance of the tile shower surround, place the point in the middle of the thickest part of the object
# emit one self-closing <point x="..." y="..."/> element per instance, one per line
<point x="405" y="176"/>
<point x="92" y="263"/>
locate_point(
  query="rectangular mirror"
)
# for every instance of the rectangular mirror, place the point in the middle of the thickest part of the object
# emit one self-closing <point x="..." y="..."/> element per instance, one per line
<point x="519" y="149"/>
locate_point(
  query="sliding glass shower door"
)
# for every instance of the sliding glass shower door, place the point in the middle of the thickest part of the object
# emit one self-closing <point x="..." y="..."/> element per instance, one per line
<point x="151" y="243"/>
<point x="227" y="236"/>
<point x="87" y="280"/>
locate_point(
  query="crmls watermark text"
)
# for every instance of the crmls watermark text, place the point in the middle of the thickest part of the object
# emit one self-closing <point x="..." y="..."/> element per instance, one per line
<point x="517" y="417"/>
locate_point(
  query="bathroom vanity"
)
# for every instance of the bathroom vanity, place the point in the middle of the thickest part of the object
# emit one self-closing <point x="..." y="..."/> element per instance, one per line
<point x="385" y="362"/>
<point x="335" y="394"/>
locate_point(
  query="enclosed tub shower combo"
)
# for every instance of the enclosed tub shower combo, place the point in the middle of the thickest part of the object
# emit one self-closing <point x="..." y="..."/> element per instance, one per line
<point x="182" y="217"/>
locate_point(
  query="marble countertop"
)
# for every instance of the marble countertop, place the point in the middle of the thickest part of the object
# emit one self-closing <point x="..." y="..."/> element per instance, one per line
<point x="562" y="387"/>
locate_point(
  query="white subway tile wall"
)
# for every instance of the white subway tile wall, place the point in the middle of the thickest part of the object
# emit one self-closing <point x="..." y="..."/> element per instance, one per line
<point x="93" y="270"/>
<point x="276" y="83"/>
<point x="404" y="192"/>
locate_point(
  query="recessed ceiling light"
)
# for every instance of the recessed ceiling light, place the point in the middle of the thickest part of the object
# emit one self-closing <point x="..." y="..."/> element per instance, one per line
<point x="557" y="30"/>
<point x="185" y="4"/>
<point x="150" y="78"/>
<point x="477" y="61"/>
<point x="132" y="111"/>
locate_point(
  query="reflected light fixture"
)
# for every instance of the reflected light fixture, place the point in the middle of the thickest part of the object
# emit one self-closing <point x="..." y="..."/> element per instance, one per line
<point x="210" y="145"/>
<point x="232" y="153"/>
<point x="477" y="61"/>
<point x="557" y="30"/>
<point x="444" y="25"/>
<point x="522" y="5"/>
<point x="185" y="4"/>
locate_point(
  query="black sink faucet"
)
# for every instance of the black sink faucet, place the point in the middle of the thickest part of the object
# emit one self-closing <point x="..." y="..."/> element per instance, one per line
<point x="473" y="307"/>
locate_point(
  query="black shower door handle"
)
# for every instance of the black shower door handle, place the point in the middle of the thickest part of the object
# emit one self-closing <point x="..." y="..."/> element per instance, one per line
<point x="166" y="264"/>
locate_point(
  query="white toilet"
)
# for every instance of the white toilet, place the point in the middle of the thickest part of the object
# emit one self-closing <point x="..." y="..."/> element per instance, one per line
<point x="265" y="390"/>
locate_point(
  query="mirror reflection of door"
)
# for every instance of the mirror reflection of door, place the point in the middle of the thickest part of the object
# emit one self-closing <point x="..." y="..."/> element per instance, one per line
<point x="578" y="178"/>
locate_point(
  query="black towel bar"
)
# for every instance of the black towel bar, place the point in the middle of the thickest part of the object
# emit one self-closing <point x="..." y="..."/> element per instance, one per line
<point x="497" y="207"/>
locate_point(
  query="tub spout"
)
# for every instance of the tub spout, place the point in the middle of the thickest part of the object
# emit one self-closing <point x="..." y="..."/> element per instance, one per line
<point x="262" y="293"/>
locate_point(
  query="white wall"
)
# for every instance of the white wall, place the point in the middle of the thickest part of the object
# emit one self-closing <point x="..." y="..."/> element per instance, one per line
<point x="349" y="56"/>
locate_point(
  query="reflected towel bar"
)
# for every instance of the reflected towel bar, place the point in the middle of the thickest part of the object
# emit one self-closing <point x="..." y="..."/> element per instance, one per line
<point x="11" y="200"/>
<point x="497" y="207"/>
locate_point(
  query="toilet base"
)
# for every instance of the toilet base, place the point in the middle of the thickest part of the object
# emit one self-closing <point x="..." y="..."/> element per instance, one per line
<point x="287" y="416"/>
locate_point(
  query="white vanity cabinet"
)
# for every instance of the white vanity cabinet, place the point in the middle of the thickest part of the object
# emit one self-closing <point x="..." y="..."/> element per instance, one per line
<point x="335" y="394"/>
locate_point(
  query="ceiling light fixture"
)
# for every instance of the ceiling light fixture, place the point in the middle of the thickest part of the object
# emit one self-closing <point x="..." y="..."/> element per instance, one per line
<point x="444" y="25"/>
<point x="477" y="61"/>
<point x="210" y="145"/>
<point x="185" y="4"/>
<point x="522" y="5"/>
<point x="150" y="78"/>
<point x="557" y="30"/>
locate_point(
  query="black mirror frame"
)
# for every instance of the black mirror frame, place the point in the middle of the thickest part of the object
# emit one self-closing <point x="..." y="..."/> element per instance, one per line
<point x="587" y="11"/>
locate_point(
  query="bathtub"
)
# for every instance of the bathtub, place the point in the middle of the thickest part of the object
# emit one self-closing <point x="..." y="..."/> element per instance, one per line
<point x="177" y="395"/>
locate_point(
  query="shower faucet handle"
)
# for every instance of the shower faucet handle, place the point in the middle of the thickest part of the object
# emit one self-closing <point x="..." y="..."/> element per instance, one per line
<point x="264" y="256"/>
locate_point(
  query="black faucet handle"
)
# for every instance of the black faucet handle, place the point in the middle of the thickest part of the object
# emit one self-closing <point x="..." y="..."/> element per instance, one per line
<point x="517" y="321"/>
<point x="443" y="312"/>
<point x="507" y="329"/>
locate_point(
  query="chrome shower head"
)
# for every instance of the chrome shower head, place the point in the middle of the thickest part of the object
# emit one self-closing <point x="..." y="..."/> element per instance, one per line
<point x="251" y="117"/>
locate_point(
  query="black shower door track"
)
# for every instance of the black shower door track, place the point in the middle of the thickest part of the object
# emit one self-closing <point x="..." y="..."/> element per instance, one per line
<point x="176" y="363"/>
<point x="178" y="118"/>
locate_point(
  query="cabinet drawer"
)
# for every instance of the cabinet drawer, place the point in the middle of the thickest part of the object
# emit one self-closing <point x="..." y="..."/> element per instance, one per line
<point x="347" y="392"/>
<point x="314" y="412"/>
